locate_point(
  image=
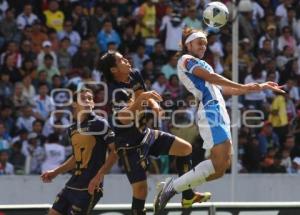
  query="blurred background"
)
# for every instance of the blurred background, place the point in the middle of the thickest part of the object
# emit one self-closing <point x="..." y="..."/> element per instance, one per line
<point x="49" y="48"/>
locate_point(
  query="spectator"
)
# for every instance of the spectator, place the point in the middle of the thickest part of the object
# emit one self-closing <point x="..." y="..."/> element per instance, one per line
<point x="26" y="17"/>
<point x="24" y="122"/>
<point x="54" y="17"/>
<point x="256" y="99"/>
<point x="64" y="54"/>
<point x="170" y="68"/>
<point x="292" y="90"/>
<point x="191" y="20"/>
<point x="17" y="158"/>
<point x="252" y="156"/>
<point x="96" y="19"/>
<point x="28" y="90"/>
<point x="42" y="77"/>
<point x="37" y="37"/>
<point x="37" y="128"/>
<point x="278" y="117"/>
<point x="49" y="67"/>
<point x="6" y="87"/>
<point x="35" y="154"/>
<point x="160" y="85"/>
<point x="55" y="153"/>
<point x="28" y="68"/>
<point x="148" y="70"/>
<point x="4" y="6"/>
<point x="9" y="28"/>
<point x="267" y="139"/>
<point x="269" y="35"/>
<point x="147" y="19"/>
<point x="286" y="159"/>
<point x="106" y="35"/>
<point x="159" y="56"/>
<point x="7" y="119"/>
<point x="4" y="138"/>
<point x="80" y="20"/>
<point x="171" y="27"/>
<point x="27" y="52"/>
<point x="173" y="87"/>
<point x="140" y="57"/>
<point x="47" y="50"/>
<point x="6" y="168"/>
<point x="73" y="35"/>
<point x="83" y="57"/>
<point x="281" y="10"/>
<point x="12" y="49"/>
<point x="129" y="40"/>
<point x="287" y="39"/>
<point x="44" y="103"/>
<point x="276" y="166"/>
<point x="295" y="168"/>
<point x="19" y="99"/>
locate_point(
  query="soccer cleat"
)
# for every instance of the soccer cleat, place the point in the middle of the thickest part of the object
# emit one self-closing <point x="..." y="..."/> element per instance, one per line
<point x="198" y="197"/>
<point x="165" y="192"/>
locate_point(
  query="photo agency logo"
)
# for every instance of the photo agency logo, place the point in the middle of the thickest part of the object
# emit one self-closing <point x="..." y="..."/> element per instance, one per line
<point x="179" y="114"/>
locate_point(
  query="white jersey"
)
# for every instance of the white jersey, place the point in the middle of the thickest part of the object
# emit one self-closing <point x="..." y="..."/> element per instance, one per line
<point x="202" y="90"/>
<point x="213" y="119"/>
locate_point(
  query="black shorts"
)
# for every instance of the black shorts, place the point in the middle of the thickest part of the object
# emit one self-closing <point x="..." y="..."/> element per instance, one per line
<point x="75" y="202"/>
<point x="134" y="164"/>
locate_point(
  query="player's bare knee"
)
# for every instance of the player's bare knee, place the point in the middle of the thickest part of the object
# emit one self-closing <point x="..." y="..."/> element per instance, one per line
<point x="221" y="165"/>
<point x="140" y="191"/>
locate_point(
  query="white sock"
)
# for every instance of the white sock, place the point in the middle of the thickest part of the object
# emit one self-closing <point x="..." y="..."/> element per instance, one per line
<point x="194" y="177"/>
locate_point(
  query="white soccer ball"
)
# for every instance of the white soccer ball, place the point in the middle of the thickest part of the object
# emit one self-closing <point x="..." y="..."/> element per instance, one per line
<point x="216" y="14"/>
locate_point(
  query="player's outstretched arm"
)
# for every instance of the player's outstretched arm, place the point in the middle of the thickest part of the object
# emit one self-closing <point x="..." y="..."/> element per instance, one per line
<point x="217" y="79"/>
<point x="263" y="86"/>
<point x="127" y="115"/>
<point x="110" y="161"/>
<point x="68" y="165"/>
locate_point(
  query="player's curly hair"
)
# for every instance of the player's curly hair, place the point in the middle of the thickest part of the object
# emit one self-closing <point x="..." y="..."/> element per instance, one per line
<point x="105" y="63"/>
<point x="185" y="34"/>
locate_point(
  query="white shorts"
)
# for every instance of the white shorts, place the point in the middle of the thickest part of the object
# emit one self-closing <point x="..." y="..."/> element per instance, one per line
<point x="213" y="124"/>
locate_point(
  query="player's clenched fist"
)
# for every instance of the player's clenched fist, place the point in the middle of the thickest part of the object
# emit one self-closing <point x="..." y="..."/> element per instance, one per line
<point x="48" y="176"/>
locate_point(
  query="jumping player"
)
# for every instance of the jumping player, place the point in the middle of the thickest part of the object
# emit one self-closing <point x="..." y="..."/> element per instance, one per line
<point x="90" y="137"/>
<point x="214" y="124"/>
<point x="134" y="141"/>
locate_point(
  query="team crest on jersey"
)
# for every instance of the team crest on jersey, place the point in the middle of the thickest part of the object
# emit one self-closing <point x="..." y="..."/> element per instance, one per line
<point x="189" y="63"/>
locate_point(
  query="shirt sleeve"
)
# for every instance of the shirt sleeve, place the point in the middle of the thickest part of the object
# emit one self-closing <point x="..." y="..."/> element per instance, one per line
<point x="105" y="133"/>
<point x="190" y="63"/>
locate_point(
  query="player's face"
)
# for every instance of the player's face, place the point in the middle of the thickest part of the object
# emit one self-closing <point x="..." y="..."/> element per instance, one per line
<point x="198" y="47"/>
<point x="85" y="102"/>
<point x="122" y="65"/>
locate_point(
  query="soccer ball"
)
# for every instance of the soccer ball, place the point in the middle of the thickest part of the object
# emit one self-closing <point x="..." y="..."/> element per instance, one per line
<point x="215" y="14"/>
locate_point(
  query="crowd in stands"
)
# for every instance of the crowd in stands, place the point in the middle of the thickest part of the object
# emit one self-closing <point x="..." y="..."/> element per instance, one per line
<point x="49" y="48"/>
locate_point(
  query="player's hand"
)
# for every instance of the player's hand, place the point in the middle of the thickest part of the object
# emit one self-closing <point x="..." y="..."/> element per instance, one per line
<point x="251" y="88"/>
<point x="145" y="96"/>
<point x="48" y="176"/>
<point x="158" y="110"/>
<point x="272" y="86"/>
<point x="94" y="184"/>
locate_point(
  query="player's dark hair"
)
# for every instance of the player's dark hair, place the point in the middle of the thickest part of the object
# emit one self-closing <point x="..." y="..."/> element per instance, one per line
<point x="105" y="63"/>
<point x="82" y="90"/>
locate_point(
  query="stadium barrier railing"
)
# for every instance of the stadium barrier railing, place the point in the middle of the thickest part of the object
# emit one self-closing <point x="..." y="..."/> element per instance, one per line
<point x="210" y="208"/>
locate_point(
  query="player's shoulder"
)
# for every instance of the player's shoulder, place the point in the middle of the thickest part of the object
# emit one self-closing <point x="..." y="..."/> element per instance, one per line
<point x="186" y="62"/>
<point x="97" y="121"/>
<point x="135" y="74"/>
